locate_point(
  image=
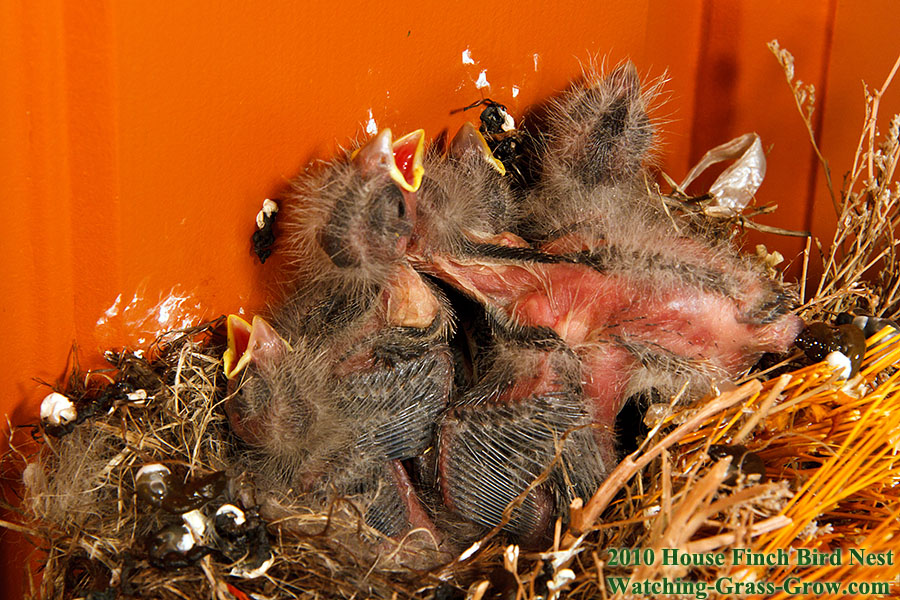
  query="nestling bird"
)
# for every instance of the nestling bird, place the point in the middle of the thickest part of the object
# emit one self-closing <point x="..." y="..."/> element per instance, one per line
<point x="465" y="198"/>
<point x="638" y="300"/>
<point x="351" y="375"/>
<point x="589" y="290"/>
<point x="629" y="337"/>
<point x="526" y="417"/>
<point x="591" y="151"/>
<point x="523" y="399"/>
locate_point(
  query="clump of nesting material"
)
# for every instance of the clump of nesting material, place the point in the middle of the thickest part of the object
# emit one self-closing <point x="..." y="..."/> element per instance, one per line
<point x="140" y="499"/>
<point x="829" y="447"/>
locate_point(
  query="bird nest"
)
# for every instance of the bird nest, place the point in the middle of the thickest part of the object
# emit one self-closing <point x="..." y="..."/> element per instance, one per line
<point x="691" y="512"/>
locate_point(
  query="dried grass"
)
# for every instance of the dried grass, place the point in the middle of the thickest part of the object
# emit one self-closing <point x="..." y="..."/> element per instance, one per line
<point x="861" y="264"/>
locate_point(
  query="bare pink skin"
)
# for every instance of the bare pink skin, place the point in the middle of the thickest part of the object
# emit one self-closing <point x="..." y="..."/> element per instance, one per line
<point x="418" y="518"/>
<point x="593" y="312"/>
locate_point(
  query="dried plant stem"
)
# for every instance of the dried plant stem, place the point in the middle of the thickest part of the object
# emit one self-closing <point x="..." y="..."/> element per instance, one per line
<point x="726" y="539"/>
<point x="18" y="528"/>
<point x="635" y="462"/>
<point x="764" y="408"/>
<point x="867" y="211"/>
<point x="871" y="124"/>
<point x="804" y="99"/>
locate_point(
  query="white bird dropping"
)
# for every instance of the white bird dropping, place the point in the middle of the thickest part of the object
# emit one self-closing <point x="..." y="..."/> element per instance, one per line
<point x="269" y="208"/>
<point x="57" y="409"/>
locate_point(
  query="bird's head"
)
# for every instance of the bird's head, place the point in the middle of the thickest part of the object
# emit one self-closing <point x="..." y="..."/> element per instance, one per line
<point x="465" y="197"/>
<point x="252" y="357"/>
<point x="599" y="132"/>
<point x="374" y="202"/>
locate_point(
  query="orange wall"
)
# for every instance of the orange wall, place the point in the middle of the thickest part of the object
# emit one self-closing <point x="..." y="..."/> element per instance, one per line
<point x="138" y="139"/>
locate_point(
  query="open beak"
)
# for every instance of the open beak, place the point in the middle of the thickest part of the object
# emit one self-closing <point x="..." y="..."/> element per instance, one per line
<point x="409" y="158"/>
<point x="468" y="139"/>
<point x="251" y="343"/>
<point x="403" y="159"/>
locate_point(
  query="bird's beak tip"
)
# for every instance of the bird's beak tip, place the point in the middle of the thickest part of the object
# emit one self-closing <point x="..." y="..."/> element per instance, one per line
<point x="403" y="158"/>
<point x="409" y="159"/>
<point x="250" y="343"/>
<point x="238" y="340"/>
<point x="469" y="139"/>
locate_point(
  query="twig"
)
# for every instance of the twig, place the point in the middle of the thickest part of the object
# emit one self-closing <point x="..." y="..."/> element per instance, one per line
<point x="801" y="96"/>
<point x="876" y="101"/>
<point x="635" y="462"/>
<point x="17" y="528"/>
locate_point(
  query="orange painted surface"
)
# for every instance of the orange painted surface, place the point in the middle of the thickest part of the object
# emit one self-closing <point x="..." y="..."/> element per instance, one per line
<point x="138" y="139"/>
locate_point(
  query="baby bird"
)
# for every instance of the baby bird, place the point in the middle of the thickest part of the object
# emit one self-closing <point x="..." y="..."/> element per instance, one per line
<point x="324" y="431"/>
<point x="524" y="419"/>
<point x="592" y="206"/>
<point x="349" y="379"/>
<point x="628" y="336"/>
<point x="522" y="406"/>
<point x="635" y="301"/>
<point x="592" y="202"/>
<point x="347" y="225"/>
<point x="465" y="198"/>
<point x="591" y="154"/>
